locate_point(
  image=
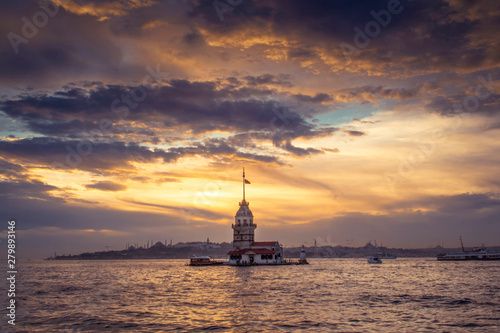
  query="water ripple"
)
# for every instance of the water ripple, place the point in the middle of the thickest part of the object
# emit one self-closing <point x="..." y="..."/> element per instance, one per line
<point x="328" y="295"/>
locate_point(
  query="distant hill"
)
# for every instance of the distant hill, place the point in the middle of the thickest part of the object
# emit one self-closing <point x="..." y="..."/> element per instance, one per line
<point x="157" y="251"/>
<point x="219" y="251"/>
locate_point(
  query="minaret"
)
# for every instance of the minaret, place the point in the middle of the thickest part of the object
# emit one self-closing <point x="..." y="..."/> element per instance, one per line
<point x="243" y="227"/>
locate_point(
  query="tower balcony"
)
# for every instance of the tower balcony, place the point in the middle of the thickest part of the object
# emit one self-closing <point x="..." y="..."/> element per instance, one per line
<point x="240" y="226"/>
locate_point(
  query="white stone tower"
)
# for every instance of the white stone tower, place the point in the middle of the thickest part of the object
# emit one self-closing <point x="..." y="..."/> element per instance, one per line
<point x="243" y="227"/>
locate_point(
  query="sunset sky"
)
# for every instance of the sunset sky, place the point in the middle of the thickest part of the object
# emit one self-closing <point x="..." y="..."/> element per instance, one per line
<point x="131" y="120"/>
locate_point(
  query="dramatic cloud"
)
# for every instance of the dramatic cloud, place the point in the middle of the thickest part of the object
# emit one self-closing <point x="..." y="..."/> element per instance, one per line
<point x="318" y="98"/>
<point x="103" y="9"/>
<point x="353" y="133"/>
<point x="11" y="170"/>
<point x="415" y="37"/>
<point x="102" y="157"/>
<point x="67" y="45"/>
<point x="268" y="79"/>
<point x="26" y="189"/>
<point x="459" y="103"/>
<point x="372" y="94"/>
<point x="106" y="186"/>
<point x="198" y="104"/>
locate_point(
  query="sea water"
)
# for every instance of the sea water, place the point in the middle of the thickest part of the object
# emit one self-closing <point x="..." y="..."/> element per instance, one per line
<point x="345" y="295"/>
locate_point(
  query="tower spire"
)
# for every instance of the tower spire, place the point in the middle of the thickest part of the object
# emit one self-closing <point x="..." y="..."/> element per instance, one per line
<point x="243" y="184"/>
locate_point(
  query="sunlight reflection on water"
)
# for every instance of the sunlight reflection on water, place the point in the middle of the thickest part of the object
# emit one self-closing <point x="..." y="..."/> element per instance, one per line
<point x="328" y="295"/>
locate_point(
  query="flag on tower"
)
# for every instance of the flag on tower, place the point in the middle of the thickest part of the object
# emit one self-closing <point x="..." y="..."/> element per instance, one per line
<point x="247" y="182"/>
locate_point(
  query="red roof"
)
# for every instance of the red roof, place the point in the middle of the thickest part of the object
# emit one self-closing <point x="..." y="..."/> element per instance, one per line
<point x="265" y="243"/>
<point x="256" y="251"/>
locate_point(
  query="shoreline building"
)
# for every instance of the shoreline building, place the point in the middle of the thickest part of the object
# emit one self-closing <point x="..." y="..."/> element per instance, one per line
<point x="246" y="251"/>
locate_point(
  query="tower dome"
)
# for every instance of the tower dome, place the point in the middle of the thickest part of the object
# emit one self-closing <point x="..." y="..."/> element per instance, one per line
<point x="244" y="211"/>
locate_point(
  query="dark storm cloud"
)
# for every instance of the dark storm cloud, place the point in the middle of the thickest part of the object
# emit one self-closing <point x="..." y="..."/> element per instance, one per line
<point x="216" y="149"/>
<point x="279" y="139"/>
<point x="301" y="53"/>
<point x="417" y="38"/>
<point x="354" y="133"/>
<point x="13" y="170"/>
<point x="201" y="107"/>
<point x="16" y="184"/>
<point x="269" y="79"/>
<point x="260" y="158"/>
<point x="445" y="105"/>
<point x="241" y="14"/>
<point x="374" y="93"/>
<point x="199" y="104"/>
<point x="299" y="151"/>
<point x="193" y="38"/>
<point x="66" y="45"/>
<point x="106" y="186"/>
<point x="26" y="189"/>
<point x="365" y="121"/>
<point x="104" y="157"/>
<point x="318" y="98"/>
<point x="61" y="128"/>
<point x="458" y="103"/>
<point x="319" y="17"/>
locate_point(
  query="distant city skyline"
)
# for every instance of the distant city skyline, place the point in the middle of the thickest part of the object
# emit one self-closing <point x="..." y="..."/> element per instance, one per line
<point x="123" y="122"/>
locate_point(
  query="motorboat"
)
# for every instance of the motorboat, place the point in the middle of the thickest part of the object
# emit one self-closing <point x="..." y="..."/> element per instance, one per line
<point x="374" y="260"/>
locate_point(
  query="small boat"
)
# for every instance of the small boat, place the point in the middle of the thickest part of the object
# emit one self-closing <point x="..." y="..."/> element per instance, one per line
<point x="203" y="261"/>
<point x="374" y="260"/>
<point x="475" y="254"/>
